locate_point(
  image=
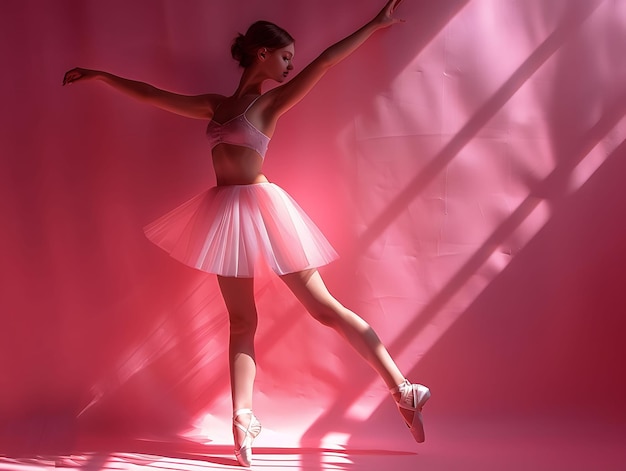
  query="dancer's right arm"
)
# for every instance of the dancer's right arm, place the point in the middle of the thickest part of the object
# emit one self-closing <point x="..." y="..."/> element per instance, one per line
<point x="192" y="106"/>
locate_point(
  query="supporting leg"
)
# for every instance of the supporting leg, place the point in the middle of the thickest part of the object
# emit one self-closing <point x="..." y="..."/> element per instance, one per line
<point x="238" y="296"/>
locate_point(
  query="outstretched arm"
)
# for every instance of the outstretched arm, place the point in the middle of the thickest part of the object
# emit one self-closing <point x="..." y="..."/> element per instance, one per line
<point x="292" y="92"/>
<point x="192" y="106"/>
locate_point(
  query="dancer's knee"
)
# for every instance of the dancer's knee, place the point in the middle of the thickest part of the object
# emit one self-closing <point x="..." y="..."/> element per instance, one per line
<point x="326" y="315"/>
<point x="243" y="325"/>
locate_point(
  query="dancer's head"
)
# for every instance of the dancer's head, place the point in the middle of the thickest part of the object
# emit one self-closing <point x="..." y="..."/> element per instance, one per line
<point x="265" y="43"/>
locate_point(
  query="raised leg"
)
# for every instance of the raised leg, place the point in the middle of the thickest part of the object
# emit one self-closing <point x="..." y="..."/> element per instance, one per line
<point x="310" y="289"/>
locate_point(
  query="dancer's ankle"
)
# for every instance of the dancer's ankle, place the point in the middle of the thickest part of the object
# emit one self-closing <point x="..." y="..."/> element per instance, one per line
<point x="396" y="392"/>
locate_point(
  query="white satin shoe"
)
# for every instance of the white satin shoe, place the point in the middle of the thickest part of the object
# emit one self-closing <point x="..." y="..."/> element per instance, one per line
<point x="412" y="398"/>
<point x="243" y="449"/>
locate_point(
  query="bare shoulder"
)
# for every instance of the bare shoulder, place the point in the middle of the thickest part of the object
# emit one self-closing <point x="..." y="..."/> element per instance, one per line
<point x="211" y="101"/>
<point x="282" y="98"/>
<point x="214" y="98"/>
<point x="270" y="104"/>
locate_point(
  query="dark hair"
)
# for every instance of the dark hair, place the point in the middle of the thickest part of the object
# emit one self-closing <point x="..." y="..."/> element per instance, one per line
<point x="259" y="34"/>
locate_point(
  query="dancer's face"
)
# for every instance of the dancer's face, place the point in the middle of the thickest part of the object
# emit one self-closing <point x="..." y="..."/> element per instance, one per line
<point x="279" y="62"/>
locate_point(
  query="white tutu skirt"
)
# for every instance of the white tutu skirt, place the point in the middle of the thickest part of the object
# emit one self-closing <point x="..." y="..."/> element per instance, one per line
<point x="226" y="229"/>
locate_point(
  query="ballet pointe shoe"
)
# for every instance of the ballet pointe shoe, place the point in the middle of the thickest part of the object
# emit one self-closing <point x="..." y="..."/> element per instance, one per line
<point x="243" y="447"/>
<point x="412" y="398"/>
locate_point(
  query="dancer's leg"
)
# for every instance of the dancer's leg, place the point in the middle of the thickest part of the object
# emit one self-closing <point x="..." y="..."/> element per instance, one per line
<point x="238" y="294"/>
<point x="313" y="294"/>
<point x="311" y="291"/>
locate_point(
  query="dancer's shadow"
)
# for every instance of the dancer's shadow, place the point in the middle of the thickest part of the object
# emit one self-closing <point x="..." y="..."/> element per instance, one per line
<point x="95" y="454"/>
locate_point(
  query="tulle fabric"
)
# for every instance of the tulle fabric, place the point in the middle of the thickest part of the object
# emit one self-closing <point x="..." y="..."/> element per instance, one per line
<point x="227" y="229"/>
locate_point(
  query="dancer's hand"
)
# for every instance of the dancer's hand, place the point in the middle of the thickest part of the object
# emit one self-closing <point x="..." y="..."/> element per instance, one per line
<point x="77" y="73"/>
<point x="386" y="17"/>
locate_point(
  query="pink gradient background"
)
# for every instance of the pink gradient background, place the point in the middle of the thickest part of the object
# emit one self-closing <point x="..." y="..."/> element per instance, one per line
<point x="468" y="165"/>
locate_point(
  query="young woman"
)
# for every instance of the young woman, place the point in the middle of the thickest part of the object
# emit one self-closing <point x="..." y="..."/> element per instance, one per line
<point x="245" y="217"/>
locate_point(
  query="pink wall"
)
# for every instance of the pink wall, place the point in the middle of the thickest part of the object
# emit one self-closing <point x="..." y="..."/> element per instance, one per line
<point x="468" y="165"/>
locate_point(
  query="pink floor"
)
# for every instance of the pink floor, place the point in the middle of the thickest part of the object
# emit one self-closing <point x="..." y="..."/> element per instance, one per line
<point x="536" y="444"/>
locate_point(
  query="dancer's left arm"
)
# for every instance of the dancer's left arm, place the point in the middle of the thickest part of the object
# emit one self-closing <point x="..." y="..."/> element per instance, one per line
<point x="287" y="95"/>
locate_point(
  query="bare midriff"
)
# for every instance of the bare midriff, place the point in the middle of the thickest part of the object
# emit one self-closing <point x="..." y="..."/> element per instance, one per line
<point x="237" y="165"/>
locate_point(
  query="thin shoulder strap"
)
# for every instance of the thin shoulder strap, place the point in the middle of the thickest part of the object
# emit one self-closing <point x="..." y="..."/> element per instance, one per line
<point x="240" y="114"/>
<point x="251" y="103"/>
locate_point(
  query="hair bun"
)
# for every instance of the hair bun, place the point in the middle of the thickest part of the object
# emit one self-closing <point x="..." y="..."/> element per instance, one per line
<point x="237" y="50"/>
<point x="259" y="34"/>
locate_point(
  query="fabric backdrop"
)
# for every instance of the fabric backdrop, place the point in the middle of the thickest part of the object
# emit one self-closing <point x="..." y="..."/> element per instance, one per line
<point x="467" y="165"/>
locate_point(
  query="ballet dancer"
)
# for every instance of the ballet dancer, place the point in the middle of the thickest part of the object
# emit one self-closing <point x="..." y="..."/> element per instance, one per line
<point x="227" y="228"/>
